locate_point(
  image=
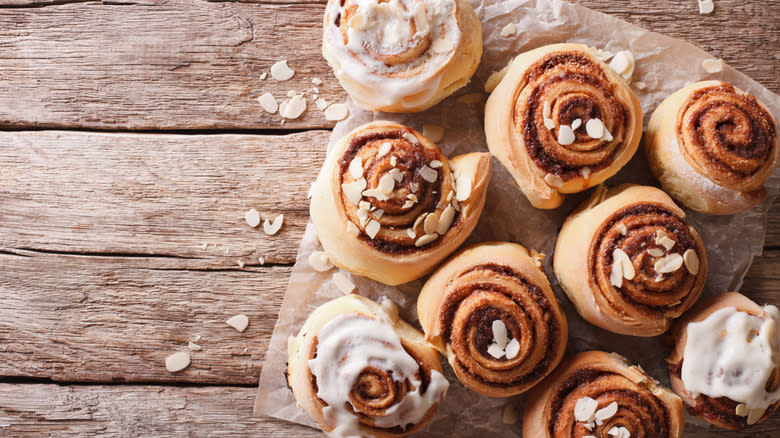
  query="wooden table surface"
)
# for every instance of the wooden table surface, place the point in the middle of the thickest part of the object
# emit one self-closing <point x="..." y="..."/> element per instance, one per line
<point x="130" y="135"/>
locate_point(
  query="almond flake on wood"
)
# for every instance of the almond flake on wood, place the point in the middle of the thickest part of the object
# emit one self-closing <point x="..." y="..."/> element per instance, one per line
<point x="261" y="260"/>
<point x="177" y="361"/>
<point x="238" y="322"/>
<point x="321" y="104"/>
<point x="336" y="112"/>
<point x="240" y="264"/>
<point x="194" y="347"/>
<point x="268" y="103"/>
<point x="706" y="7"/>
<point x="252" y="218"/>
<point x="281" y="71"/>
<point x="293" y="108"/>
<point x="272" y="228"/>
<point x="320" y="261"/>
<point x="263" y="75"/>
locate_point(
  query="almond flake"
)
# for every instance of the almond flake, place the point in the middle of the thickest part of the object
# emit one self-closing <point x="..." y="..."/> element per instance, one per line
<point x="354" y="190"/>
<point x="623" y="64"/>
<point x="706" y="7"/>
<point x="428" y="174"/>
<point x="607" y="135"/>
<point x="408" y="204"/>
<point x="272" y="228"/>
<point x="691" y="261"/>
<point x="594" y="128"/>
<point x="754" y="415"/>
<point x="442" y="45"/>
<point x="419" y="220"/>
<point x="495" y="351"/>
<point x="508" y="30"/>
<point x="500" y="334"/>
<point x="433" y="132"/>
<point x="712" y="65"/>
<point x="449" y="195"/>
<point x="546" y="109"/>
<point x="639" y="85"/>
<point x="393" y="160"/>
<point x="292" y="93"/>
<point x="376" y="193"/>
<point x="352" y="228"/>
<point x="316" y="81"/>
<point x="410" y="138"/>
<point x="604" y="55"/>
<point x="585" y="171"/>
<point x="566" y="135"/>
<point x="343" y="282"/>
<point x="295" y="107"/>
<point x="240" y="264"/>
<point x="378" y="213"/>
<point x="616" y="275"/>
<point x="445" y="221"/>
<point x="627" y="267"/>
<point x="263" y="75"/>
<point x="320" y="261"/>
<point x="656" y="252"/>
<point x="668" y="264"/>
<point x="425" y="239"/>
<point x="576" y="124"/>
<point x="462" y="188"/>
<point x="268" y="103"/>
<point x="397" y="175"/>
<point x="386" y="184"/>
<point x="372" y="228"/>
<point x="742" y="410"/>
<point x="321" y="104"/>
<point x="606" y="413"/>
<point x="549" y="124"/>
<point x="470" y="98"/>
<point x="510" y="415"/>
<point x="356" y="168"/>
<point x="177" y="361"/>
<point x="584" y="409"/>
<point x="619" y="432"/>
<point x="281" y="72"/>
<point x="431" y="223"/>
<point x="336" y="112"/>
<point x="238" y="322"/>
<point x="666" y="242"/>
<point x="553" y="180"/>
<point x="261" y="260"/>
<point x="410" y="232"/>
<point x="384" y="150"/>
<point x="252" y="218"/>
<point x="194" y="347"/>
<point x="206" y="244"/>
<point x="512" y="348"/>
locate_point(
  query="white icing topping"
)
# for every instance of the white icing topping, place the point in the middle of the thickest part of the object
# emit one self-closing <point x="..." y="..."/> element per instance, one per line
<point x="732" y="354"/>
<point x="351" y="344"/>
<point x="378" y="30"/>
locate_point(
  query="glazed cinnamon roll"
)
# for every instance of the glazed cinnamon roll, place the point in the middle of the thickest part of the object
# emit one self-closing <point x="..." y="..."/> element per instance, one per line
<point x="601" y="395"/>
<point x="629" y="262"/>
<point x="561" y="121"/>
<point x="726" y="361"/>
<point x="491" y="311"/>
<point x="389" y="206"/>
<point x="713" y="146"/>
<point x="401" y="55"/>
<point x="358" y="370"/>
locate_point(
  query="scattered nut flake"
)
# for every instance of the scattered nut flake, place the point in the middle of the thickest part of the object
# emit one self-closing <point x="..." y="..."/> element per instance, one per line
<point x="553" y="180"/>
<point x="410" y="232"/>
<point x="549" y="124"/>
<point x="585" y="172"/>
<point x="292" y="93"/>
<point x="585" y="408"/>
<point x="293" y="108"/>
<point x="343" y="282"/>
<point x="619" y="432"/>
<point x="281" y="72"/>
<point x="354" y="190"/>
<point x="386" y="184"/>
<point x="227" y="251"/>
<point x="352" y="228"/>
<point x="433" y="132"/>
<point x="428" y="174"/>
<point x="336" y="112"/>
<point x="206" y="244"/>
<point x="445" y="221"/>
<point x="621" y="227"/>
<point x="510" y="415"/>
<point x="691" y="261"/>
<point x="263" y="75"/>
<point x="321" y="104"/>
<point x="623" y="64"/>
<point x="508" y="30"/>
<point x="378" y="213"/>
<point x="462" y="188"/>
<point x="627" y="267"/>
<point x="495" y="351"/>
<point x="320" y="261"/>
<point x="594" y="128"/>
<point x="663" y="239"/>
<point x="238" y="322"/>
<point x="425" y="239"/>
<point x="546" y="109"/>
<point x="316" y="81"/>
<point x="706" y="7"/>
<point x="410" y="138"/>
<point x="384" y="150"/>
<point x="177" y="361"/>
<point x="668" y="264"/>
<point x="754" y="415"/>
<point x="607" y="135"/>
<point x="194" y="347"/>
<point x="419" y="220"/>
<point x="639" y="85"/>
<point x="470" y="98"/>
<point x="397" y="175"/>
<point x="252" y="218"/>
<point x="712" y="65"/>
<point x="656" y="252"/>
<point x="512" y="348"/>
<point x="376" y="193"/>
<point x="261" y="260"/>
<point x="606" y="412"/>
<point x="408" y="204"/>
<point x="500" y="333"/>
<point x="576" y="124"/>
<point x="431" y="224"/>
<point x="356" y="168"/>
<point x="240" y="264"/>
<point x="442" y="45"/>
<point x="604" y="55"/>
<point x="373" y="228"/>
<point x="616" y="275"/>
<point x="272" y="228"/>
<point x="268" y="102"/>
<point x="742" y="410"/>
<point x="393" y="161"/>
<point x="565" y="135"/>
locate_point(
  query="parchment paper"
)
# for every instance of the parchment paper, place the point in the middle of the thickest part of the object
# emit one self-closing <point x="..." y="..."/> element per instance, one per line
<point x="665" y="65"/>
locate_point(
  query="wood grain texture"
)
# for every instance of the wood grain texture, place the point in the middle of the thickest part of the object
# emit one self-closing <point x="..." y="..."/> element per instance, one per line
<point x="195" y="65"/>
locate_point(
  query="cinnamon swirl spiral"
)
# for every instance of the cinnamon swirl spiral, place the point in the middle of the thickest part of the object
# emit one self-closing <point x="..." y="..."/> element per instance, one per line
<point x="358" y="370"/>
<point x="629" y="262"/>
<point x="401" y="55"/>
<point x="713" y="146"/>
<point x="491" y="310"/>
<point x="561" y="121"/>
<point x="388" y="205"/>
<point x="600" y="394"/>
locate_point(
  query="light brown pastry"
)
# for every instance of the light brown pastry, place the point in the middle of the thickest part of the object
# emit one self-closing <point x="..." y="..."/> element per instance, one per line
<point x="644" y="407"/>
<point x="713" y="146"/>
<point x="720" y="411"/>
<point x="389" y="206"/>
<point x="357" y="369"/>
<point x="530" y="113"/>
<point x="628" y="261"/>
<point x="403" y="56"/>
<point x="463" y="300"/>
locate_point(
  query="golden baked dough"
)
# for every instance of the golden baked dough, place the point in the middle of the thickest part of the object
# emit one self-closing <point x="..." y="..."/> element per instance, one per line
<point x="389" y="206"/>
<point x="713" y="146"/>
<point x="403" y="56"/>
<point x="628" y="261"/>
<point x="378" y="399"/>
<point x="530" y="114"/>
<point x="644" y="407"/>
<point x="482" y="284"/>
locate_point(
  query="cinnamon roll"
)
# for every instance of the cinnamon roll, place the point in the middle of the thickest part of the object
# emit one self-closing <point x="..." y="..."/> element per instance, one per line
<point x="491" y="311"/>
<point x="712" y="147"/>
<point x="358" y="370"/>
<point x="561" y="121"/>
<point x="629" y="262"/>
<point x="401" y="55"/>
<point x="389" y="206"/>
<point x="726" y="361"/>
<point x="601" y="395"/>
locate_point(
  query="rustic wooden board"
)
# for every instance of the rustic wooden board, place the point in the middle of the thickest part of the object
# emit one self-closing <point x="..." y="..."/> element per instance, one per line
<point x="195" y="65"/>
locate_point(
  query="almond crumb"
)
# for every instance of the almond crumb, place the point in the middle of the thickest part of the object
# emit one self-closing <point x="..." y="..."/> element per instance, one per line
<point x="177" y="361"/>
<point x="252" y="218"/>
<point x="238" y="322"/>
<point x="281" y="71"/>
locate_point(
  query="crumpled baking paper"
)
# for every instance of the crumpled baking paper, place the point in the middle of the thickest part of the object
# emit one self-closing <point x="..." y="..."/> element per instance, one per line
<point x="665" y="65"/>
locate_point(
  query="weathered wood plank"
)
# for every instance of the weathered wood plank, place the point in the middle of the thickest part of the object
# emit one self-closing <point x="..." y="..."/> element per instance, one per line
<point x="151" y="194"/>
<point x="773" y="226"/>
<point x="116" y="319"/>
<point x="196" y="65"/>
<point x="136" y="411"/>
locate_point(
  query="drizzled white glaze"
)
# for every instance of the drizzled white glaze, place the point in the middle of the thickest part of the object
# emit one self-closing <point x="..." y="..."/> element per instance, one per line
<point x="386" y="28"/>
<point x="349" y="344"/>
<point x="732" y="354"/>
